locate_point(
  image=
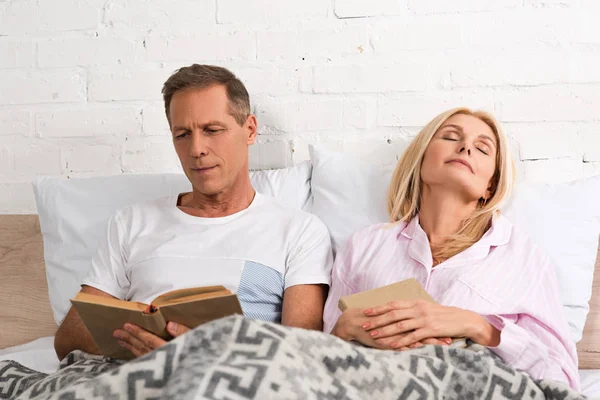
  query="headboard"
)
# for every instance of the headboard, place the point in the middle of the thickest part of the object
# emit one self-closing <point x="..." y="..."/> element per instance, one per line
<point x="26" y="314"/>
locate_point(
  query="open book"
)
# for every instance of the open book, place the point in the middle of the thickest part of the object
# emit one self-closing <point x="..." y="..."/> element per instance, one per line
<point x="408" y="289"/>
<point x="189" y="307"/>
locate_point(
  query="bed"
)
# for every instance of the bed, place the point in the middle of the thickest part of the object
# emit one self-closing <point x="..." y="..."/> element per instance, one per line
<point x="27" y="326"/>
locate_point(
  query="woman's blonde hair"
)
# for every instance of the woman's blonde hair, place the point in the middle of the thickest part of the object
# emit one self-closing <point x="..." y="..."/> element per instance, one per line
<point x="404" y="197"/>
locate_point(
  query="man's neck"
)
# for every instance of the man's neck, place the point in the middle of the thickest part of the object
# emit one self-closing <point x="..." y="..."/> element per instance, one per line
<point x="222" y="204"/>
<point x="442" y="214"/>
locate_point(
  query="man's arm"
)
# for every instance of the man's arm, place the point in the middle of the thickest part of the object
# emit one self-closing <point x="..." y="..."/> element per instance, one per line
<point x="72" y="333"/>
<point x="303" y="306"/>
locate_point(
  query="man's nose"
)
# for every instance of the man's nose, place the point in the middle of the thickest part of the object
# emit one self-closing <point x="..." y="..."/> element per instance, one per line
<point x="198" y="145"/>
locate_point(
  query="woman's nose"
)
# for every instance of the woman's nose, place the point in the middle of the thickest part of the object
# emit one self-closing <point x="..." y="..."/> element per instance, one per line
<point x="465" y="148"/>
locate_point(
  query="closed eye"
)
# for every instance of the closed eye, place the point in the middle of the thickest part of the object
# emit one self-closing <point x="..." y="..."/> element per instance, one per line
<point x="182" y="135"/>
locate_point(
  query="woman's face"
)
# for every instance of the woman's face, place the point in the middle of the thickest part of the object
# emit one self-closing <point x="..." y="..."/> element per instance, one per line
<point x="461" y="156"/>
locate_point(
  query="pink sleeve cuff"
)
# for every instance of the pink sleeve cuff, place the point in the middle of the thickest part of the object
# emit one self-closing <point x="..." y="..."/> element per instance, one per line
<point x="512" y="342"/>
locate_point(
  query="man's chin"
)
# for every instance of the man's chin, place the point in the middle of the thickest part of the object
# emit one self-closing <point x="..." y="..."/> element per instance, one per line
<point x="207" y="189"/>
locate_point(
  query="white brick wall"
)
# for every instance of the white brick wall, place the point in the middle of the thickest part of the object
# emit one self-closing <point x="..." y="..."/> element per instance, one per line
<point x="80" y="80"/>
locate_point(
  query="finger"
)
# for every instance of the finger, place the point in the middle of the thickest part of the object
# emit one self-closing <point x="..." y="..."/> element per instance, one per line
<point x="135" y="351"/>
<point x="416" y="345"/>
<point x="405" y="323"/>
<point x="132" y="342"/>
<point x="435" y="342"/>
<point x="385" y="308"/>
<point x="411" y="337"/>
<point x="176" y="329"/>
<point x="148" y="339"/>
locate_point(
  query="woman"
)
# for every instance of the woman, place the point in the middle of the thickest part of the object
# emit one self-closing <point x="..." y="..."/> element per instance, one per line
<point x="493" y="285"/>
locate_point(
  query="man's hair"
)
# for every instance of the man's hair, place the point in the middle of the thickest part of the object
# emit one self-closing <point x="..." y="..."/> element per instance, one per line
<point x="203" y="76"/>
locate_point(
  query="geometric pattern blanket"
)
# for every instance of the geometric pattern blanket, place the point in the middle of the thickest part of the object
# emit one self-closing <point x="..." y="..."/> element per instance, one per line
<point x="240" y="358"/>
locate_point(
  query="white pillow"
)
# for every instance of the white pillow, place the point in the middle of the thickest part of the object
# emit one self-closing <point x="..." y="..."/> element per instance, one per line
<point x="73" y="215"/>
<point x="564" y="219"/>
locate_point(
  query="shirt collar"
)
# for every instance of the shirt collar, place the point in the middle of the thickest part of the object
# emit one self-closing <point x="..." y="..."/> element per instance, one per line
<point x="497" y="235"/>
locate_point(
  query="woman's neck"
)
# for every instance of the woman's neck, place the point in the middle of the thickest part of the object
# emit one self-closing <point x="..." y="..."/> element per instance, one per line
<point x="442" y="213"/>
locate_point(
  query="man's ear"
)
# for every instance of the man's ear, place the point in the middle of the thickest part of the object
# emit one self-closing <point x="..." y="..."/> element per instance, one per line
<point x="251" y="127"/>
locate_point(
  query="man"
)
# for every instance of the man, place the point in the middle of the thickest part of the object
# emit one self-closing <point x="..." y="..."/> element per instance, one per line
<point x="278" y="260"/>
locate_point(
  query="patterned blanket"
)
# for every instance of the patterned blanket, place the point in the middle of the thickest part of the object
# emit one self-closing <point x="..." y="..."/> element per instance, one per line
<point x="239" y="358"/>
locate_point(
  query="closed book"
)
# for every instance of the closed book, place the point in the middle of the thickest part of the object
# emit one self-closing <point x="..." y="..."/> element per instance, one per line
<point x="409" y="289"/>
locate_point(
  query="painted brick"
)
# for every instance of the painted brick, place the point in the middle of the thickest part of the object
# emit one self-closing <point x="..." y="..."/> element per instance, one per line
<point x="6" y="161"/>
<point x="139" y="17"/>
<point x="590" y="136"/>
<point x="87" y="51"/>
<point x="542" y="26"/>
<point x="18" y="17"/>
<point x="301" y="116"/>
<point x="67" y="15"/>
<point x="41" y="86"/>
<point x="15" y="123"/>
<point x="208" y="47"/>
<point x="144" y="156"/>
<point x="549" y="103"/>
<point x="127" y="85"/>
<point x="16" y="53"/>
<point x="100" y="159"/>
<point x="539" y="141"/>
<point x="270" y="11"/>
<point x="553" y="171"/>
<point x="400" y="77"/>
<point x="453" y="7"/>
<point x="361" y="9"/>
<point x="311" y="45"/>
<point x="526" y="66"/>
<point x="155" y="121"/>
<point x="360" y="113"/>
<point x="591" y="169"/>
<point x="417" y="109"/>
<point x="415" y="33"/>
<point x="38" y="159"/>
<point x="17" y="198"/>
<point x="269" y="80"/>
<point x="89" y="122"/>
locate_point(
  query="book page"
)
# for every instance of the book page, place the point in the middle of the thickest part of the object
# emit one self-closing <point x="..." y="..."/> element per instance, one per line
<point x="109" y="301"/>
<point x="183" y="295"/>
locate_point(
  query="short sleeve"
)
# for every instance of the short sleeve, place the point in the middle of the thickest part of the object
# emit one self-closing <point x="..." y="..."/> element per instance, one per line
<point x="108" y="271"/>
<point x="310" y="259"/>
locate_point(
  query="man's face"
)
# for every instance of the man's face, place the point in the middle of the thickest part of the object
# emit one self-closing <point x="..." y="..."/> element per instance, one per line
<point x="211" y="145"/>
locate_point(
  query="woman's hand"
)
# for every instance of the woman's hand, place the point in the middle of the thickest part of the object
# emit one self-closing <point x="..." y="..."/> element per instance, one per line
<point x="352" y="326"/>
<point x="400" y="324"/>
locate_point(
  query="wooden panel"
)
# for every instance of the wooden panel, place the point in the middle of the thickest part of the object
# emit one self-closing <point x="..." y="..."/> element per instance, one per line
<point x="25" y="314"/>
<point x="588" y="348"/>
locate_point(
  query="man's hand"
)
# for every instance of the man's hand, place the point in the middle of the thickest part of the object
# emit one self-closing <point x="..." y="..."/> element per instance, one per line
<point x="139" y="341"/>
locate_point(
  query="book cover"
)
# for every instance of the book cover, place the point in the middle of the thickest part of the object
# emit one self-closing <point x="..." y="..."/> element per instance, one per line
<point x="189" y="307"/>
<point x="409" y="289"/>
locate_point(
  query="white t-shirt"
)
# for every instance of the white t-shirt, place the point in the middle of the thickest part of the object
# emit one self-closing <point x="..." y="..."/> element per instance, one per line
<point x="152" y="248"/>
